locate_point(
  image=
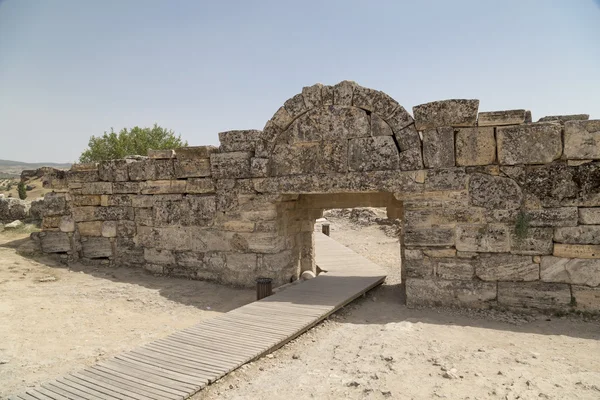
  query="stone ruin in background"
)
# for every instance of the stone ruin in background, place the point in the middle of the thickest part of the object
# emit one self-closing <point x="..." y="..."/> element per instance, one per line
<point x="495" y="209"/>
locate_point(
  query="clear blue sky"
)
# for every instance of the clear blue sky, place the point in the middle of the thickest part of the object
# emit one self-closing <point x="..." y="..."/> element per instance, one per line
<point x="70" y="69"/>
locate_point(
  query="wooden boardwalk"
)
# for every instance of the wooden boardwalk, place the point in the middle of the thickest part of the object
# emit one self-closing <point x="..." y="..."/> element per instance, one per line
<point x="181" y="364"/>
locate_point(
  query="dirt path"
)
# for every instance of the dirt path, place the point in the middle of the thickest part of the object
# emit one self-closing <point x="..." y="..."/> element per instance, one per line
<point x="54" y="320"/>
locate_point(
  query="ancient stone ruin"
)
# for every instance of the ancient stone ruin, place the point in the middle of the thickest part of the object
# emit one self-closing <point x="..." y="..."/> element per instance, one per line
<point x="495" y="209"/>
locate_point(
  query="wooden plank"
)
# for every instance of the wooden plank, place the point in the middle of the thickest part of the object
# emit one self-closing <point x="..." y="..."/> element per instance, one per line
<point x="213" y="345"/>
<point x="68" y="395"/>
<point x="26" y="396"/>
<point x="191" y="375"/>
<point x="183" y="384"/>
<point x="84" y="389"/>
<point x="149" y="387"/>
<point x="225" y="341"/>
<point x="199" y="365"/>
<point x="95" y="388"/>
<point x="151" y="380"/>
<point x="43" y="394"/>
<point x="76" y="392"/>
<point x="199" y="348"/>
<point x="142" y="391"/>
<point x="186" y="355"/>
<point x="110" y="385"/>
<point x="167" y="373"/>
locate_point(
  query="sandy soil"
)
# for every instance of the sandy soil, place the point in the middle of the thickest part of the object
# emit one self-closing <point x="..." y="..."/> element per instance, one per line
<point x="54" y="320"/>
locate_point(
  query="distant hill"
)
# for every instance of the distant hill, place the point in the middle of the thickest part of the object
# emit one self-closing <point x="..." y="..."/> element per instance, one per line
<point x="10" y="169"/>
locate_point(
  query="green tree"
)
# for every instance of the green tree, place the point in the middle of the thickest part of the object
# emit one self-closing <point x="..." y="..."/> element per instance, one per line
<point x="22" y="190"/>
<point x="136" y="141"/>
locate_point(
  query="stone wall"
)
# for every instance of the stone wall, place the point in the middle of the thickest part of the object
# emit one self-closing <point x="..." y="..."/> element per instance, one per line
<point x="497" y="210"/>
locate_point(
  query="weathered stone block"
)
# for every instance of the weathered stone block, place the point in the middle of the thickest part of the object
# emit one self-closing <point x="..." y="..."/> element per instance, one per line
<point x="446" y="113"/>
<point x="54" y="204"/>
<point x="55" y="242"/>
<point x="188" y="168"/>
<point x="259" y="167"/>
<point x="576" y="250"/>
<point x="96" y="247"/>
<point x="198" y="209"/>
<point x="582" y="139"/>
<point x="584" y="234"/>
<point x="589" y="216"/>
<point x="109" y="229"/>
<point x="441" y="216"/>
<point x="494" y="192"/>
<point x="399" y="119"/>
<point x="490" y="238"/>
<point x="74" y="176"/>
<point x="461" y="269"/>
<point x="107" y="200"/>
<point x="374" y="101"/>
<point x="126" y="228"/>
<point x="379" y="127"/>
<point x="90" y="200"/>
<point x="83" y="214"/>
<point x="429" y="292"/>
<point x="295" y="106"/>
<point x="142" y="170"/>
<point x="342" y="93"/>
<point x="586" y="298"/>
<point x="160" y="257"/>
<point x="418" y="268"/>
<point x="564" y="118"/>
<point x="144" y="216"/>
<point x="540" y="295"/>
<point x="196" y="152"/>
<point x="408" y="138"/>
<point x="113" y="213"/>
<point x="507" y="267"/>
<point x="446" y="179"/>
<point x="164" y="187"/>
<point x="538" y="143"/>
<point x="439" y="253"/>
<point x="410" y="160"/>
<point x="113" y="171"/>
<point x="91" y="228"/>
<point x="475" y="146"/>
<point x="230" y="165"/>
<point x="563" y="216"/>
<point x="537" y="241"/>
<point x="67" y="224"/>
<point x="438" y="148"/>
<point x="373" y="154"/>
<point x="497" y="118"/>
<point x="200" y="185"/>
<point x="312" y="96"/>
<point x="127" y="187"/>
<point x="241" y="140"/>
<point x="429" y="237"/>
<point x="570" y="270"/>
<point x="161" y="154"/>
<point x="96" y="188"/>
<point x="327" y="123"/>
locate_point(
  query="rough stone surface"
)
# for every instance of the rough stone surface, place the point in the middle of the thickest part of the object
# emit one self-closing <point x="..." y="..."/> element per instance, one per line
<point x="230" y="165"/>
<point x="570" y="270"/>
<point x="586" y="298"/>
<point x="537" y="241"/>
<point x="507" y="267"/>
<point x="538" y="143"/>
<point x="576" y="250"/>
<point x="113" y="171"/>
<point x="475" y="146"/>
<point x="498" y="118"/>
<point x="192" y="168"/>
<point x="564" y="118"/>
<point x="55" y="242"/>
<point x="582" y="140"/>
<point x="196" y="152"/>
<point x="589" y="216"/>
<point x="12" y="209"/>
<point x="438" y="148"/>
<point x="541" y="295"/>
<point x="96" y="247"/>
<point x="429" y="237"/>
<point x="490" y="238"/>
<point x="494" y="192"/>
<point x="373" y="154"/>
<point x="450" y="292"/>
<point x="583" y="234"/>
<point x="446" y="113"/>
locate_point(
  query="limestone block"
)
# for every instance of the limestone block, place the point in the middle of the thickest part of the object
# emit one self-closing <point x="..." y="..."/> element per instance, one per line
<point x="576" y="250"/>
<point x="113" y="213"/>
<point x="237" y="226"/>
<point x="142" y="170"/>
<point x="113" y="171"/>
<point x="55" y="242"/>
<point x="399" y="119"/>
<point x="160" y="257"/>
<point x="259" y="167"/>
<point x="127" y="187"/>
<point x="446" y="179"/>
<point x="96" y="247"/>
<point x="49" y="223"/>
<point x="562" y="216"/>
<point x="375" y="101"/>
<point x="564" y="118"/>
<point x="586" y="298"/>
<point x="379" y="127"/>
<point x="164" y="187"/>
<point x="410" y="160"/>
<point x="115" y="200"/>
<point x="439" y="253"/>
<point x="408" y="138"/>
<point x="429" y="237"/>
<point x="74" y="176"/>
<point x="125" y="228"/>
<point x="446" y="113"/>
<point x="230" y="165"/>
<point x="461" y="269"/>
<point x="67" y="224"/>
<point x="54" y="204"/>
<point x="83" y="200"/>
<point x="109" y="229"/>
<point x="538" y="241"/>
<point x="498" y="118"/>
<point x="295" y="106"/>
<point x="442" y="216"/>
<point x="539" y="295"/>
<point x="312" y="96"/>
<point x="373" y="154"/>
<point x="278" y="261"/>
<point x="507" y="267"/>
<point x="327" y="95"/>
<point x="195" y="152"/>
<point x="589" y="216"/>
<point x="418" y="268"/>
<point x="96" y="188"/>
<point x="161" y="154"/>
<point x="333" y="155"/>
<point x="127" y="253"/>
<point x="200" y="185"/>
<point x="438" y="292"/>
<point x="537" y="143"/>
<point x="438" y="148"/>
<point x="198" y="209"/>
<point x="582" y="139"/>
<point x="90" y="228"/>
<point x="475" y="146"/>
<point x="188" y="168"/>
<point x="583" y="234"/>
<point x="191" y="259"/>
<point x="241" y="140"/>
<point x="82" y="214"/>
<point x="305" y="158"/>
<point x="413" y="254"/>
<point x="494" y="192"/>
<point x="492" y="238"/>
<point x="577" y="271"/>
<point x="258" y="242"/>
<point x="328" y="123"/>
<point x="144" y="216"/>
<point x="92" y="166"/>
<point x="342" y="93"/>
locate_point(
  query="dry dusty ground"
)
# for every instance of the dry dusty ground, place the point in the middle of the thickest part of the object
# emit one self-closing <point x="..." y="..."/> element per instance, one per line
<point x="54" y="320"/>
<point x="372" y="349"/>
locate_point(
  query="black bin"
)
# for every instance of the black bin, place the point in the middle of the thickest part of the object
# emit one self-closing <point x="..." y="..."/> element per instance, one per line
<point x="264" y="288"/>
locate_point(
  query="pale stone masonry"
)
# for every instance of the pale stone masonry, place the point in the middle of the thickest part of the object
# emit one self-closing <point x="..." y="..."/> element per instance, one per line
<point x="497" y="210"/>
